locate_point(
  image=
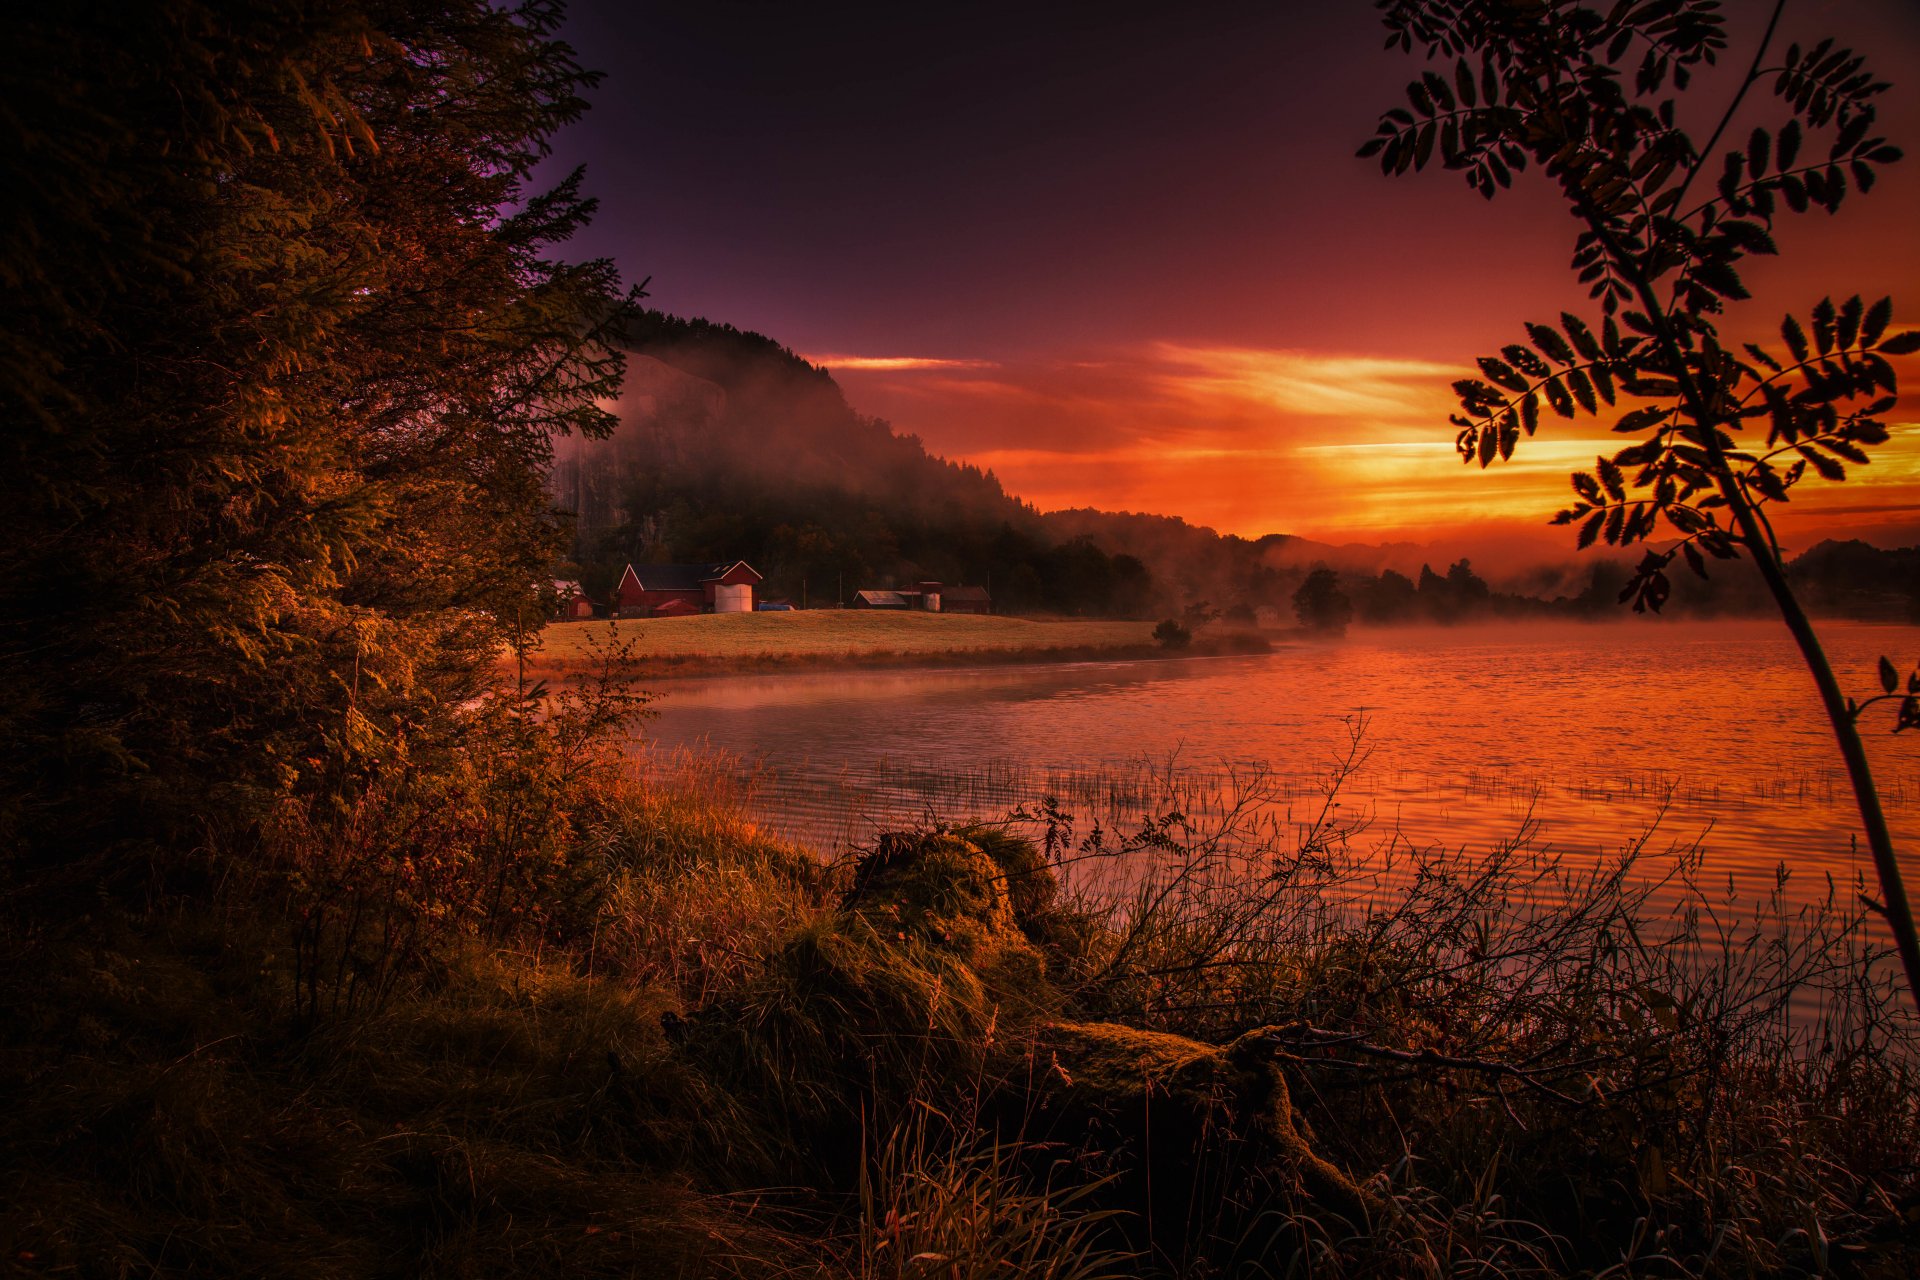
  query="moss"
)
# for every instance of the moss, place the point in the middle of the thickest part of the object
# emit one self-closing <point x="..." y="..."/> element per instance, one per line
<point x="928" y="982"/>
<point x="1178" y="1112"/>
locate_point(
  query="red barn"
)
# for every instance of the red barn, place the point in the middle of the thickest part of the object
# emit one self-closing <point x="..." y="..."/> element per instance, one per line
<point x="965" y="600"/>
<point x="675" y="590"/>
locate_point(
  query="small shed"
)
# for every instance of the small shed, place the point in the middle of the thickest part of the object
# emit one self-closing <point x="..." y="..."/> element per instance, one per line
<point x="880" y="600"/>
<point x="569" y="601"/>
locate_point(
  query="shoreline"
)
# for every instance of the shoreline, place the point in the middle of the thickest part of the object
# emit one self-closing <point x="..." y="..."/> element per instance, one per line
<point x="690" y="666"/>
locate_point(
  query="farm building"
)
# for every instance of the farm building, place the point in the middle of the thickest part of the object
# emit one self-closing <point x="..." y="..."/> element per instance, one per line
<point x="927" y="597"/>
<point x="676" y="590"/>
<point x="965" y="600"/>
<point x="569" y="601"/>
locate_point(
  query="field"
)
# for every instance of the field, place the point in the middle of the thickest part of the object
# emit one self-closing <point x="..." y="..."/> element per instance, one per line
<point x="732" y="641"/>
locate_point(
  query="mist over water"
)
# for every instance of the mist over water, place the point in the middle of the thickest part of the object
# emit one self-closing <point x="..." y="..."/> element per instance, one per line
<point x="1595" y="732"/>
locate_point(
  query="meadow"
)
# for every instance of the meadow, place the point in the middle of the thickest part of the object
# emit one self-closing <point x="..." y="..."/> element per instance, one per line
<point x="822" y="637"/>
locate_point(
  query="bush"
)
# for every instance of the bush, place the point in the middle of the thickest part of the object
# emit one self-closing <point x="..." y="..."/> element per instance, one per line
<point x="1172" y="635"/>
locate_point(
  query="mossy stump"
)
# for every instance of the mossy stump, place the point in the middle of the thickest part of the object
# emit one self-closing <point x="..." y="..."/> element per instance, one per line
<point x="935" y="977"/>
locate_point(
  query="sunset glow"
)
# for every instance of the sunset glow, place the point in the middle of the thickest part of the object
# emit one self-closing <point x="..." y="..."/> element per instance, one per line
<point x="1146" y="284"/>
<point x="1248" y="441"/>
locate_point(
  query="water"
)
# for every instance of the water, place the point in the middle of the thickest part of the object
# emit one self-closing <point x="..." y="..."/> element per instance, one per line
<point x="1593" y="732"/>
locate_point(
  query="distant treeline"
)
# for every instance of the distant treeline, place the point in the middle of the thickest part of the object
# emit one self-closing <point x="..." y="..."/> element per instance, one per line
<point x="731" y="446"/>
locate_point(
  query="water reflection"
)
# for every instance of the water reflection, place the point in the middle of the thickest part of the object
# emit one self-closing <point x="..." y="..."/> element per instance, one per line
<point x="1596" y="732"/>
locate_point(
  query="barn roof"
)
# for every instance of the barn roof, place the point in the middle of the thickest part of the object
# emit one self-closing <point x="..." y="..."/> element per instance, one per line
<point x="882" y="599"/>
<point x="684" y="577"/>
<point x="966" y="595"/>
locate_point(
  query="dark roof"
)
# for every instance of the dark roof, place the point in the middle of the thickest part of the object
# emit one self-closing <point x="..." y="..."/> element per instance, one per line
<point x="680" y="577"/>
<point x="882" y="599"/>
<point x="966" y="593"/>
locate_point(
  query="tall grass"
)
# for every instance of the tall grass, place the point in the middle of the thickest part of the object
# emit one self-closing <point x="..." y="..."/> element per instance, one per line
<point x="1549" y="1067"/>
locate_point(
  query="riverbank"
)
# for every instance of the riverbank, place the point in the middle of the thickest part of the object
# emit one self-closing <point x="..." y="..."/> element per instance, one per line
<point x="639" y="1036"/>
<point x="745" y="643"/>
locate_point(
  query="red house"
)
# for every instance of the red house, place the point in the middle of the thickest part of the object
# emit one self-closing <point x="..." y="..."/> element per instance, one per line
<point x="569" y="601"/>
<point x="676" y="590"/>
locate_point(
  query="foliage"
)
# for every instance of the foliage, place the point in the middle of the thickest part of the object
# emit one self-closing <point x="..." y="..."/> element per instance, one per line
<point x="288" y="355"/>
<point x="1169" y="634"/>
<point x="1321" y="605"/>
<point x="1665" y="224"/>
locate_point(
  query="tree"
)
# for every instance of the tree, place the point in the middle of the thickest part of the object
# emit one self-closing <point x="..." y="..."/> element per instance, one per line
<point x="1724" y="432"/>
<point x="284" y="358"/>
<point x="1321" y="605"/>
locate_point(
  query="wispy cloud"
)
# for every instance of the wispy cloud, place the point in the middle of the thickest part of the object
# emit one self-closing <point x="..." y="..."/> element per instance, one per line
<point x="893" y="364"/>
<point x="1371" y="389"/>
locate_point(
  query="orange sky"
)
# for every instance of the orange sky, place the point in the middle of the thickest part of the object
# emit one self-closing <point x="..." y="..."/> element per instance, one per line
<point x="1342" y="448"/>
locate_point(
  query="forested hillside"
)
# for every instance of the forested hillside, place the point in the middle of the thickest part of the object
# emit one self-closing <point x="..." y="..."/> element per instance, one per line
<point x="730" y="446"/>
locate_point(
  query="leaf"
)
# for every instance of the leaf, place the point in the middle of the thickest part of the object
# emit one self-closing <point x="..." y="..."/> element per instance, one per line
<point x="1788" y="144"/>
<point x="1641" y="419"/>
<point x="1557" y="397"/>
<point x="1849" y="326"/>
<point x="1827" y="467"/>
<point x="1901" y="344"/>
<point x="1463" y="82"/>
<point x="1523" y="359"/>
<point x="1610" y="477"/>
<point x="1722" y="279"/>
<point x="1796" y="338"/>
<point x="1694" y="560"/>
<point x="1503" y="373"/>
<point x="1583" y="339"/>
<point x="1582" y="390"/>
<point x="1889" y="678"/>
<point x="1602" y="381"/>
<point x="1590" y="530"/>
<point x="1823" y="318"/>
<point x="1550" y="341"/>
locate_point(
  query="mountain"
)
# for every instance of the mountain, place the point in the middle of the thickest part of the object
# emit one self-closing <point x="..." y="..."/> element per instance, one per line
<point x="730" y="446"/>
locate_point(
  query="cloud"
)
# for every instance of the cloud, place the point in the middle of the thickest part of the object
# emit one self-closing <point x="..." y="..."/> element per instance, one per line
<point x="892" y="364"/>
<point x="1344" y="446"/>
<point x="1373" y="389"/>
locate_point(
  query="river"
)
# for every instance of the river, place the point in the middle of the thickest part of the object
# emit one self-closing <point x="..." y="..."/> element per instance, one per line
<point x="1592" y="732"/>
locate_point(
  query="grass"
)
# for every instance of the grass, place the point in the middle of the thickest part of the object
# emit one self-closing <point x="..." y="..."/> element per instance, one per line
<point x="736" y="641"/>
<point x="617" y="1029"/>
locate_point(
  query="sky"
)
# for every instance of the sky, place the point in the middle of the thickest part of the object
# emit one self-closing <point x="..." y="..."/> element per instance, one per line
<point x="1124" y="255"/>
